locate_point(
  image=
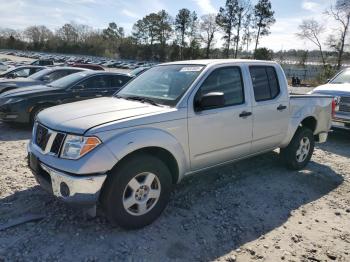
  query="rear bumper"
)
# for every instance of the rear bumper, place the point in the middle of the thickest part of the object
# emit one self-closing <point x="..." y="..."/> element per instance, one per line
<point x="341" y="121"/>
<point x="78" y="190"/>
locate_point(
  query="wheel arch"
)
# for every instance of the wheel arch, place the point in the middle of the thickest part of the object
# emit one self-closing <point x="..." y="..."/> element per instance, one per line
<point x="164" y="155"/>
<point x="151" y="141"/>
<point x="309" y="121"/>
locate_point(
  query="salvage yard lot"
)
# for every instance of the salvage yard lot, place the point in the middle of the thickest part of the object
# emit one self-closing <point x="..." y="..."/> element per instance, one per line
<point x="251" y="210"/>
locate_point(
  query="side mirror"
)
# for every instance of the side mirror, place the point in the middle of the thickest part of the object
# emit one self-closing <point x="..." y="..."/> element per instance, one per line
<point x="46" y="78"/>
<point x="210" y="101"/>
<point x="327" y="81"/>
<point x="78" y="88"/>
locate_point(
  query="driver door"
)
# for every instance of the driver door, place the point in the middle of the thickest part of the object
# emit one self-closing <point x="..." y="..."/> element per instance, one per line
<point x="221" y="134"/>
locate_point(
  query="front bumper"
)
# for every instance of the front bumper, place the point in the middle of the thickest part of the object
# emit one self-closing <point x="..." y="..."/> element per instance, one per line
<point x="80" y="190"/>
<point x="9" y="114"/>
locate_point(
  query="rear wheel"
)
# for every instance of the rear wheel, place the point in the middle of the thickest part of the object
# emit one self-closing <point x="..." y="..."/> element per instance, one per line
<point x="299" y="151"/>
<point x="137" y="191"/>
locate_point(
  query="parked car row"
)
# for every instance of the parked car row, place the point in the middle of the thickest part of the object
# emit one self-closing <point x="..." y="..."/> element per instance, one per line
<point x="45" y="59"/>
<point x="22" y="105"/>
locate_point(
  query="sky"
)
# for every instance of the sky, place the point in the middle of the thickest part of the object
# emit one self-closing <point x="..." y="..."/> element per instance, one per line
<point x="18" y="14"/>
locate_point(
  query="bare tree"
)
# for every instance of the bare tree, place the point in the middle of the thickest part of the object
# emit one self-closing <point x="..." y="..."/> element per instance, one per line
<point x="312" y="30"/>
<point x="341" y="13"/>
<point x="37" y="35"/>
<point x="208" y="27"/>
<point x="247" y="31"/>
<point x="68" y="33"/>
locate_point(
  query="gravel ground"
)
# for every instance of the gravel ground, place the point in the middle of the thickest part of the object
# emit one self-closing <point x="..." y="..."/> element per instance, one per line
<point x="251" y="210"/>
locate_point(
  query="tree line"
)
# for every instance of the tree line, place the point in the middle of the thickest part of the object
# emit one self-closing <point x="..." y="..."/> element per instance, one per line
<point x="314" y="31"/>
<point x="158" y="36"/>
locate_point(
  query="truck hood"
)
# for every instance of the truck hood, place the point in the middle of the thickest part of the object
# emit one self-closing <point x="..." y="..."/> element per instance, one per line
<point x="333" y="89"/>
<point x="78" y="117"/>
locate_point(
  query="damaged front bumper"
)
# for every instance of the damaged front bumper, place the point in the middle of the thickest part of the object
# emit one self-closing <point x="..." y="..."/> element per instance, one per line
<point x="81" y="190"/>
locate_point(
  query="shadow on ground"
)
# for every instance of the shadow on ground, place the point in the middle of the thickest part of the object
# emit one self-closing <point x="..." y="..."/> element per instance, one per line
<point x="14" y="132"/>
<point x="338" y="143"/>
<point x="209" y="215"/>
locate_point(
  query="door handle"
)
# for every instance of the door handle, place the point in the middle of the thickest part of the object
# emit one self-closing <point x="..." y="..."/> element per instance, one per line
<point x="245" y="114"/>
<point x="98" y="95"/>
<point x="281" y="107"/>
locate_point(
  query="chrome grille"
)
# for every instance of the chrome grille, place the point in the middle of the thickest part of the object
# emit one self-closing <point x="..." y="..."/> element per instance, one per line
<point x="49" y="141"/>
<point x="344" y="104"/>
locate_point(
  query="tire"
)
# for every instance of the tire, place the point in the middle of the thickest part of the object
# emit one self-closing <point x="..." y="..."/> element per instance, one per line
<point x="299" y="151"/>
<point x="131" y="201"/>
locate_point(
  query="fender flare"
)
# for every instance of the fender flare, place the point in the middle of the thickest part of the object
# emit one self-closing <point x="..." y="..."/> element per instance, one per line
<point x="294" y="123"/>
<point x="130" y="141"/>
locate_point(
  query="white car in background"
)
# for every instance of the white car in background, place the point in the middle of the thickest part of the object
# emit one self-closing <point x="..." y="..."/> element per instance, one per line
<point x="339" y="88"/>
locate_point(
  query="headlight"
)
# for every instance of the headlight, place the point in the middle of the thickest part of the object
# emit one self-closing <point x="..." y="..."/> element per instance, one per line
<point x="76" y="146"/>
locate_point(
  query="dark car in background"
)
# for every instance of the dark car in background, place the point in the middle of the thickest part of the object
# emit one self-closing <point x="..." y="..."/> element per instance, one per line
<point x="42" y="77"/>
<point x="89" y="66"/>
<point x="43" y="62"/>
<point x="22" y="105"/>
<point x="21" y="71"/>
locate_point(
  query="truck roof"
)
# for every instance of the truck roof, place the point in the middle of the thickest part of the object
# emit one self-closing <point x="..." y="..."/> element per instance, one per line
<point x="219" y="61"/>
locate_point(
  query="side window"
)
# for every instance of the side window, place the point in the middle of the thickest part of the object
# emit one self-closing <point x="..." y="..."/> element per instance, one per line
<point x="265" y="82"/>
<point x="22" y="72"/>
<point x="34" y="70"/>
<point x="58" y="74"/>
<point x="95" y="82"/>
<point x="119" y="81"/>
<point x="227" y="80"/>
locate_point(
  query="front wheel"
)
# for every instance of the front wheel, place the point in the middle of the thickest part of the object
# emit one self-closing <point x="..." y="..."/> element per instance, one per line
<point x="137" y="191"/>
<point x="299" y="151"/>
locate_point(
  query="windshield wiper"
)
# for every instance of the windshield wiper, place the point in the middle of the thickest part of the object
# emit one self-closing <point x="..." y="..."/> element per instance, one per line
<point x="140" y="98"/>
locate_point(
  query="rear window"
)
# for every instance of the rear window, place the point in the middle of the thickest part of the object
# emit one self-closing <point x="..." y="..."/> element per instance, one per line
<point x="265" y="82"/>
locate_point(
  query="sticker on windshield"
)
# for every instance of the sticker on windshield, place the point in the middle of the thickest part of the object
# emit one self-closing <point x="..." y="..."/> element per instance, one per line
<point x="191" y="69"/>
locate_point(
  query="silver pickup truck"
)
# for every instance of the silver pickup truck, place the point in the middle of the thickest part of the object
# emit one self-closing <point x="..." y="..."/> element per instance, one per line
<point x="176" y="119"/>
<point x="339" y="88"/>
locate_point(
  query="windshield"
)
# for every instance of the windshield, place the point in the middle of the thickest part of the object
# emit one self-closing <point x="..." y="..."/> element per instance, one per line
<point x="67" y="81"/>
<point x="162" y="84"/>
<point x="40" y="74"/>
<point x="342" y="78"/>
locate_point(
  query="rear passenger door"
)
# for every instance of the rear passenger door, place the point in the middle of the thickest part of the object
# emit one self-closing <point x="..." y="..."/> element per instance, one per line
<point x="270" y="108"/>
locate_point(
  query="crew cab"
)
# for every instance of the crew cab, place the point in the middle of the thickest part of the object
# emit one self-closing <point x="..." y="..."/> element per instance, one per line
<point x="176" y="119"/>
<point x="339" y="88"/>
